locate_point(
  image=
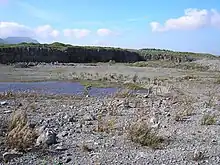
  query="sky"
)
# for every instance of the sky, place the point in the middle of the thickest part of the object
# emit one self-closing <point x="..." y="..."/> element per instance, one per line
<point x="181" y="25"/>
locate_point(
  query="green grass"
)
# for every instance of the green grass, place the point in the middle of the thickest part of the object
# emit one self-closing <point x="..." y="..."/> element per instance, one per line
<point x="169" y="64"/>
<point x="144" y="53"/>
<point x="56" y="46"/>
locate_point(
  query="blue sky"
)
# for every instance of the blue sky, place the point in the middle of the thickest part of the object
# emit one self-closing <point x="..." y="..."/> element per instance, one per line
<point x="184" y="25"/>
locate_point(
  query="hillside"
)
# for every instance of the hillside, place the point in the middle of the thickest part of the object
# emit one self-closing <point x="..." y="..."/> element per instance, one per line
<point x="35" y="52"/>
<point x="17" y="40"/>
<point x="1" y="41"/>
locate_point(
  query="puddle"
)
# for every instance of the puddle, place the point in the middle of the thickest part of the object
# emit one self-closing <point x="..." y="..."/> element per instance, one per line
<point x="54" y="87"/>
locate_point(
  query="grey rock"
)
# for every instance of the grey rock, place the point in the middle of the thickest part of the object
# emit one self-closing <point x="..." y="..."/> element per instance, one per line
<point x="88" y="117"/>
<point x="48" y="137"/>
<point x="198" y="155"/>
<point x="60" y="148"/>
<point x="72" y="119"/>
<point x="68" y="159"/>
<point x="7" y="156"/>
<point x="218" y="122"/>
<point x="3" y="103"/>
<point x="62" y="134"/>
<point x="8" y="111"/>
<point x="78" y="125"/>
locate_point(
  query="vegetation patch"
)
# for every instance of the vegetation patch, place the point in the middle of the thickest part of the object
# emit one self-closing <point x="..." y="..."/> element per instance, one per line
<point x="208" y="120"/>
<point x="124" y="94"/>
<point x="156" y="63"/>
<point x="170" y="64"/>
<point x="133" y="86"/>
<point x="217" y="80"/>
<point x="193" y="66"/>
<point x="98" y="84"/>
<point x="141" y="133"/>
<point x="20" y="134"/>
<point x="110" y="84"/>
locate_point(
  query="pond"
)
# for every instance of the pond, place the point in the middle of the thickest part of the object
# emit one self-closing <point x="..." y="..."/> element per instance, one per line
<point x="54" y="87"/>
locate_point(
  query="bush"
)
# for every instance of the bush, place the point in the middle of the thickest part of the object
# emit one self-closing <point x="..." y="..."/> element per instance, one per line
<point x="141" y="133"/>
<point x="208" y="120"/>
<point x="20" y="135"/>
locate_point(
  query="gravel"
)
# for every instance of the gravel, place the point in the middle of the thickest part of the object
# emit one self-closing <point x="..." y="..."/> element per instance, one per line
<point x="90" y="130"/>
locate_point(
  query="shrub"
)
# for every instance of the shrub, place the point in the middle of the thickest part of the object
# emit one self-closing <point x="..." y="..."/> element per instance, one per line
<point x="208" y="119"/>
<point x="141" y="133"/>
<point x="20" y="135"/>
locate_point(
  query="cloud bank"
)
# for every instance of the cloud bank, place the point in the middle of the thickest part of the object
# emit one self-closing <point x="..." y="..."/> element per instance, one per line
<point x="47" y="32"/>
<point x="10" y="29"/>
<point x="191" y="20"/>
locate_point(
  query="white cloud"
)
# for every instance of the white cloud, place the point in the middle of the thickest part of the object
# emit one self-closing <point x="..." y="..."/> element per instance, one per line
<point x="13" y="29"/>
<point x="76" y="33"/>
<point x="215" y="19"/>
<point x="46" y="32"/>
<point x="104" y="32"/>
<point x="8" y="29"/>
<point x="192" y="19"/>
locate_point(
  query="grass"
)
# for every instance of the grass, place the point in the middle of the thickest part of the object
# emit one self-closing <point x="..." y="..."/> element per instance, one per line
<point x="188" y="78"/>
<point x="109" y="84"/>
<point x="106" y="126"/>
<point x="217" y="81"/>
<point x="124" y="94"/>
<point x="141" y="133"/>
<point x="20" y="135"/>
<point x="152" y="64"/>
<point x="187" y="108"/>
<point x="7" y="95"/>
<point x="3" y="126"/>
<point x="211" y="99"/>
<point x="133" y="86"/>
<point x="170" y="64"/>
<point x="86" y="148"/>
<point x="98" y="83"/>
<point x="208" y="120"/>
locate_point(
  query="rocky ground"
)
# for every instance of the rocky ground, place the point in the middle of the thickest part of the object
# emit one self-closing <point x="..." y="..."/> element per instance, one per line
<point x="176" y="120"/>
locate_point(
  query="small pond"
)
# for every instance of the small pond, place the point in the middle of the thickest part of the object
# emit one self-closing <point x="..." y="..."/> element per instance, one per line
<point x="54" y="87"/>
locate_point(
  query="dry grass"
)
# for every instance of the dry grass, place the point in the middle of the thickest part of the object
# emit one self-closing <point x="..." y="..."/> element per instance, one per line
<point x="186" y="105"/>
<point x="103" y="125"/>
<point x="133" y="86"/>
<point x="86" y="148"/>
<point x="217" y="80"/>
<point x="3" y="125"/>
<point x="170" y="64"/>
<point x="211" y="99"/>
<point x="141" y="133"/>
<point x="20" y="135"/>
<point x="6" y="95"/>
<point x="188" y="78"/>
<point x="125" y="93"/>
<point x="208" y="120"/>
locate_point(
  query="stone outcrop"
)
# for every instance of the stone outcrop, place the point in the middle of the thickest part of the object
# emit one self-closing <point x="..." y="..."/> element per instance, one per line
<point x="72" y="54"/>
<point x="79" y="55"/>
